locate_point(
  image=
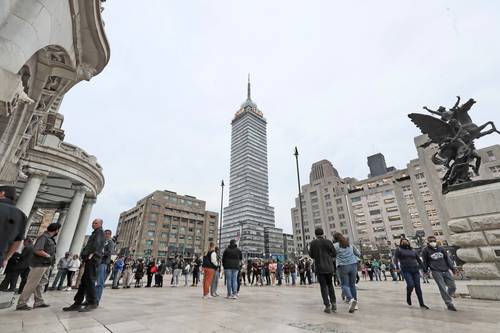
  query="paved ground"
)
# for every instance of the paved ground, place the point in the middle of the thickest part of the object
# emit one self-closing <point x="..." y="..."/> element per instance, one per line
<point x="382" y="308"/>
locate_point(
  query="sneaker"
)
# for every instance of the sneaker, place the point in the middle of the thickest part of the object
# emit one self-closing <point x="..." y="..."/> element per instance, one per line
<point x="452" y="307"/>
<point x="334" y="307"/>
<point x="352" y="305"/>
<point x="205" y="296"/>
<point x="43" y="305"/>
<point x="72" y="307"/>
<point x="327" y="309"/>
<point x="68" y="289"/>
<point x="88" y="308"/>
<point x="356" y="307"/>
<point x="23" y="307"/>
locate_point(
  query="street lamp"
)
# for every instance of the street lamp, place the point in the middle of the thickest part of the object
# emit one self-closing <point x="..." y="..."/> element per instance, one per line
<point x="296" y="154"/>
<point x="220" y="217"/>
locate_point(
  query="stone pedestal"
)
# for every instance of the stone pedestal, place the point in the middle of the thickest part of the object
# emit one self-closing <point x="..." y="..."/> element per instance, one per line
<point x="475" y="227"/>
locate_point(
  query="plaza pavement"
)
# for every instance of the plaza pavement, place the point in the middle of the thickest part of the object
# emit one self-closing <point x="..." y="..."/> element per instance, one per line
<point x="382" y="308"/>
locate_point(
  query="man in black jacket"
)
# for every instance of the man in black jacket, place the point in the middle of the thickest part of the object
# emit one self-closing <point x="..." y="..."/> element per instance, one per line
<point x="12" y="223"/>
<point x="91" y="257"/>
<point x="44" y="252"/>
<point x="231" y="259"/>
<point x="323" y="253"/>
<point x="436" y="259"/>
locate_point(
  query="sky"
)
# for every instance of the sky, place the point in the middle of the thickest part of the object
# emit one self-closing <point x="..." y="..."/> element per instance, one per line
<point x="334" y="78"/>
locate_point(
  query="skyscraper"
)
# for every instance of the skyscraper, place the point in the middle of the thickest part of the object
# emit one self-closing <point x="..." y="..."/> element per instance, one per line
<point x="248" y="215"/>
<point x="377" y="165"/>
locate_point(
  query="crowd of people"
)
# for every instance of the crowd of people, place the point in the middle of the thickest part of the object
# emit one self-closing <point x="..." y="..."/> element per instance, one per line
<point x="330" y="263"/>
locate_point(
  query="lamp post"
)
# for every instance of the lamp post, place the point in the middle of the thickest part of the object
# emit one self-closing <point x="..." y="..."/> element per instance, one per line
<point x="296" y="154"/>
<point x="220" y="217"/>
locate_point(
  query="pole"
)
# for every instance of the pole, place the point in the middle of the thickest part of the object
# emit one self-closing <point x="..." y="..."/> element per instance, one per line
<point x="304" y="249"/>
<point x="220" y="217"/>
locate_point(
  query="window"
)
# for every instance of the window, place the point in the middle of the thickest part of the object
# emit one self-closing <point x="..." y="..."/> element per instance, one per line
<point x="389" y="201"/>
<point x="394" y="218"/>
<point x="316" y="214"/>
<point x="313" y="194"/>
<point x="338" y="201"/>
<point x="152" y="223"/>
<point x="314" y="200"/>
<point x="388" y="192"/>
<point x="149" y="242"/>
<point x="392" y="209"/>
<point x="314" y="207"/>
<point x="397" y="227"/>
<point x="328" y="204"/>
<point x="356" y="199"/>
<point x="373" y="204"/>
<point x="341" y="216"/>
<point x="327" y="196"/>
<point x="150" y="233"/>
<point x="164" y="234"/>
<point x="375" y="212"/>
<point x="329" y="211"/>
<point x="491" y="156"/>
<point x="330" y="218"/>
<point x="340" y="209"/>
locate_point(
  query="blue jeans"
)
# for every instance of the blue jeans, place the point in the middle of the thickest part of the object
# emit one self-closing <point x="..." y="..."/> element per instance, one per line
<point x="347" y="274"/>
<point x="232" y="281"/>
<point x="101" y="278"/>
<point x="294" y="278"/>
<point x="412" y="279"/>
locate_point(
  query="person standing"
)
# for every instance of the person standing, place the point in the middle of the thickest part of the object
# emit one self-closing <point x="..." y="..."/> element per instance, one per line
<point x="186" y="269"/>
<point x="104" y="264"/>
<point x="437" y="260"/>
<point x="383" y="269"/>
<point x="249" y="271"/>
<point x="139" y="273"/>
<point x="117" y="271"/>
<point x="347" y="257"/>
<point x="302" y="272"/>
<point x="13" y="223"/>
<point x="196" y="271"/>
<point x="323" y="253"/>
<point x="209" y="266"/>
<point x="293" y="272"/>
<point x="127" y="272"/>
<point x="44" y="252"/>
<point x="286" y="270"/>
<point x="243" y="273"/>
<point x="273" y="267"/>
<point x="279" y="272"/>
<point x="410" y="264"/>
<point x="150" y="272"/>
<point x="91" y="257"/>
<point x="62" y="271"/>
<point x="376" y="270"/>
<point x="73" y="267"/>
<point x="215" y="280"/>
<point x="231" y="259"/>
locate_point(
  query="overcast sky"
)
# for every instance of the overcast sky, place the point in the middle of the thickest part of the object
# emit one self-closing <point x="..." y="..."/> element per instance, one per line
<point x="335" y="78"/>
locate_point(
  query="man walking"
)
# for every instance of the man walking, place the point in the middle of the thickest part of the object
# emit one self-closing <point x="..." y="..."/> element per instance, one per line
<point x="102" y="268"/>
<point x="323" y="253"/>
<point x="436" y="259"/>
<point x="12" y="223"/>
<point x="44" y="252"/>
<point x="62" y="271"/>
<point x="91" y="256"/>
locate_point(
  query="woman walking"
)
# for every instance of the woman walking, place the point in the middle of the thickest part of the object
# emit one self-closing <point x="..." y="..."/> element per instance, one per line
<point x="410" y="264"/>
<point x="347" y="268"/>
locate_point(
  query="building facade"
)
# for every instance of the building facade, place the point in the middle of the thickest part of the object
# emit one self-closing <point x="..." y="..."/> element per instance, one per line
<point x="324" y="204"/>
<point x="249" y="214"/>
<point x="289" y="250"/>
<point x="165" y="224"/>
<point x="382" y="209"/>
<point x="47" y="47"/>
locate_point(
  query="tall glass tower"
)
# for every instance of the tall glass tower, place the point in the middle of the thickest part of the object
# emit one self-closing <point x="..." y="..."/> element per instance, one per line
<point x="248" y="215"/>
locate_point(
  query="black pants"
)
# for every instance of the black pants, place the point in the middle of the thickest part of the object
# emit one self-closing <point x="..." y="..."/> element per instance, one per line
<point x="150" y="279"/>
<point x="196" y="278"/>
<point x="158" y="280"/>
<point x="249" y="276"/>
<point x="255" y="277"/>
<point x="302" y="278"/>
<point x="87" y="285"/>
<point x="70" y="278"/>
<point x="10" y="281"/>
<point x="326" y="286"/>
<point x="268" y="279"/>
<point x="24" y="279"/>
<point x="309" y="277"/>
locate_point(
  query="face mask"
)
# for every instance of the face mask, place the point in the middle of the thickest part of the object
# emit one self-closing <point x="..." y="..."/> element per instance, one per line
<point x="433" y="244"/>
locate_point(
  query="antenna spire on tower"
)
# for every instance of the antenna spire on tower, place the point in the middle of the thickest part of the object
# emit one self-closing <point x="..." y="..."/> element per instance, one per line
<point x="249" y="95"/>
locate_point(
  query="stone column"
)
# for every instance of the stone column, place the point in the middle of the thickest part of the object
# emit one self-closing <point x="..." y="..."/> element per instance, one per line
<point x="475" y="227"/>
<point x="81" y="228"/>
<point x="68" y="229"/>
<point x="62" y="216"/>
<point x="27" y="198"/>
